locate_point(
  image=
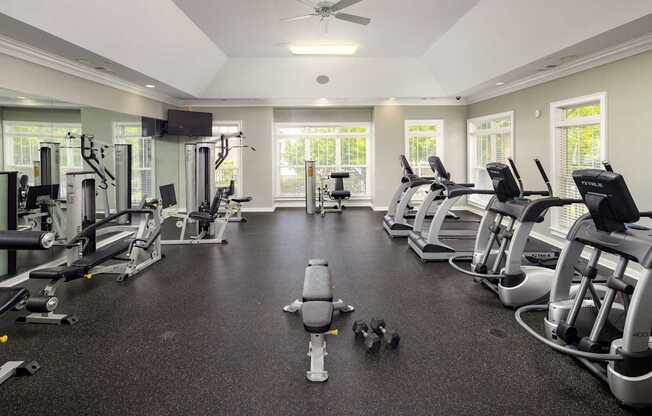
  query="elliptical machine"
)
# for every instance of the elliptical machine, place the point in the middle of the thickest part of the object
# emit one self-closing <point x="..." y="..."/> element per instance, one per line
<point x="507" y="225"/>
<point x="581" y="321"/>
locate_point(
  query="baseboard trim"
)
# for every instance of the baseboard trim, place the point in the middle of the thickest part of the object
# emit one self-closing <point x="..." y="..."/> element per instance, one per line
<point x="259" y="209"/>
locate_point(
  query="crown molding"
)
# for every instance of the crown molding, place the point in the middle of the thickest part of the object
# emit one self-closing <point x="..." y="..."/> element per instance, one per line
<point x="321" y="103"/>
<point x="37" y="56"/>
<point x="606" y="56"/>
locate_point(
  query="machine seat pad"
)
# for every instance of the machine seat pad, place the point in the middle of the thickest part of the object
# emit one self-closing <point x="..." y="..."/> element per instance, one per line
<point x="67" y="273"/>
<point x="340" y="194"/>
<point x="341" y="175"/>
<point x="317" y="316"/>
<point x="202" y="216"/>
<point x="242" y="199"/>
<point x="103" y="254"/>
<point x="10" y="297"/>
<point x="317" y="262"/>
<point x="317" y="284"/>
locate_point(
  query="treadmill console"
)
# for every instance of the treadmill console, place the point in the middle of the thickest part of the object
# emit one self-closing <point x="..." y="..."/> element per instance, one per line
<point x="607" y="197"/>
<point x="407" y="169"/>
<point x="503" y="181"/>
<point x="437" y="166"/>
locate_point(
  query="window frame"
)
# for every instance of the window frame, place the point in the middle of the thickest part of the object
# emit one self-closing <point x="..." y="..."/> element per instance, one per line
<point x="119" y="139"/>
<point x="369" y="152"/>
<point x="239" y="164"/>
<point x="556" y="121"/>
<point x="5" y="130"/>
<point x="440" y="136"/>
<point x="480" y="201"/>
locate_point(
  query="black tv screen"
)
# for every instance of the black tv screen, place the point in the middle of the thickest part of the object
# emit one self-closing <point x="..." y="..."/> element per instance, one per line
<point x="153" y="127"/>
<point x="190" y="123"/>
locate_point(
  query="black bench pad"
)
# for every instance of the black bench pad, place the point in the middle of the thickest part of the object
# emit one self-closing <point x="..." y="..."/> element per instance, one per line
<point x="317" y="316"/>
<point x="242" y="199"/>
<point x="317" y="284"/>
<point x="79" y="268"/>
<point x="10" y="297"/>
<point x="67" y="273"/>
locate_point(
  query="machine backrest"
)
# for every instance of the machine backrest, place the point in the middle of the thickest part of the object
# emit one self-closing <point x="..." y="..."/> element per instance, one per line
<point x="168" y="196"/>
<point x="608" y="199"/>
<point x="217" y="200"/>
<point x="437" y="166"/>
<point x="407" y="169"/>
<point x="503" y="181"/>
<point x="339" y="179"/>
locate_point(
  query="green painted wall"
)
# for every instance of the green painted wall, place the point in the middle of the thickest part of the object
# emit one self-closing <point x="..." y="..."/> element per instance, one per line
<point x="628" y="84"/>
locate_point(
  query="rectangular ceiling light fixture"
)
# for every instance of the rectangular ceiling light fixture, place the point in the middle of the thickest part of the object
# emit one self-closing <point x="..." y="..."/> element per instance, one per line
<point x="324" y="49"/>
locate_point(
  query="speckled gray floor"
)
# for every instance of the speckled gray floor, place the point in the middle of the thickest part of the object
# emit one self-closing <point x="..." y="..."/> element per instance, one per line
<point x="202" y="333"/>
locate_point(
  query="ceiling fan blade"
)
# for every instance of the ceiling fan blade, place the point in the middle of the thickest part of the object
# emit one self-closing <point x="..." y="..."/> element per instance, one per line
<point x="294" y="19"/>
<point x="343" y="4"/>
<point x="353" y="18"/>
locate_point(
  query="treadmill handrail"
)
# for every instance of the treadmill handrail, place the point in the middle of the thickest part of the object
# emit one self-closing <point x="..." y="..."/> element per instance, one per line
<point x="535" y="208"/>
<point x="461" y="190"/>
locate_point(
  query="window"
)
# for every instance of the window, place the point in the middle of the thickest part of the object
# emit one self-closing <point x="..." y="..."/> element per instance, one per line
<point x="22" y="140"/>
<point x="143" y="181"/>
<point x="490" y="139"/>
<point x="231" y="168"/>
<point x="423" y="139"/>
<point x="334" y="147"/>
<point x="579" y="142"/>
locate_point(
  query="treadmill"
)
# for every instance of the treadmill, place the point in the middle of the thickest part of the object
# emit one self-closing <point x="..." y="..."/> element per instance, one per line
<point x="440" y="243"/>
<point x="395" y="221"/>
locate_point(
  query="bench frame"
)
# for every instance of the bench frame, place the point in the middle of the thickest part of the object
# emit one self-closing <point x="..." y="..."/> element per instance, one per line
<point x="317" y="345"/>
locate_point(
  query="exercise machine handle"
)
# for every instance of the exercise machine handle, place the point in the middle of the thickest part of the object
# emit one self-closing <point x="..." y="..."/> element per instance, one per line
<point x="544" y="175"/>
<point x="607" y="166"/>
<point x="516" y="173"/>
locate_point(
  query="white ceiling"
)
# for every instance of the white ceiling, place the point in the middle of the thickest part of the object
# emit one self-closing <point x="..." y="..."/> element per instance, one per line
<point x="237" y="49"/>
<point x="253" y="28"/>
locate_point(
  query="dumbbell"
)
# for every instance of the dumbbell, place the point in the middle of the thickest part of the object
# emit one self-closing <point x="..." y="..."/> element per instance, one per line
<point x="371" y="340"/>
<point x="392" y="338"/>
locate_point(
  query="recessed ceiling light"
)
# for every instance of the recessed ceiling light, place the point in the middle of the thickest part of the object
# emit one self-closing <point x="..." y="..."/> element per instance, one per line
<point x="150" y="86"/>
<point x="500" y="83"/>
<point x="342" y="49"/>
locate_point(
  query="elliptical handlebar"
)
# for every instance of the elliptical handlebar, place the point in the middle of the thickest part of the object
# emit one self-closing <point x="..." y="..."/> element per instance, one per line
<point x="516" y="173"/>
<point x="544" y="175"/>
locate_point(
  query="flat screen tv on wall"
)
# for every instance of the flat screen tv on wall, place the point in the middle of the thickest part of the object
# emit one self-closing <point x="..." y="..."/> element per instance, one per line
<point x="190" y="123"/>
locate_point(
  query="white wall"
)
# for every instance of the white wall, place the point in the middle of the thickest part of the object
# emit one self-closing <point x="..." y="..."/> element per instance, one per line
<point x="390" y="143"/>
<point x="32" y="79"/>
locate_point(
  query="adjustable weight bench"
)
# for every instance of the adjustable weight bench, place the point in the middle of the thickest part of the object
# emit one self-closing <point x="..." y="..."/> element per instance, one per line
<point x="13" y="298"/>
<point x="317" y="307"/>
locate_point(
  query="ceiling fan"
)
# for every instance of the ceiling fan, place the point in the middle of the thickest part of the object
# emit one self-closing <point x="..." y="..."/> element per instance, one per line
<point x="326" y="10"/>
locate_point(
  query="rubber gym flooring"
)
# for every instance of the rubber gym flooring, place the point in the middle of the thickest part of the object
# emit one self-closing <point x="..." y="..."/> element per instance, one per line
<point x="202" y="333"/>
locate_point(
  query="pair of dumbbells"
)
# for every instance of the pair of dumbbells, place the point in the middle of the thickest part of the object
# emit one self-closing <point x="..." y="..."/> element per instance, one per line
<point x="371" y="334"/>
